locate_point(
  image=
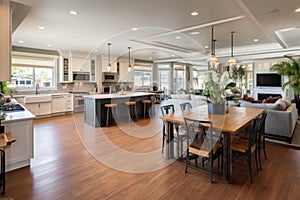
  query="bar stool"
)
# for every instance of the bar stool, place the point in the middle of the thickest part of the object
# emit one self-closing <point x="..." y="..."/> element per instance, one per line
<point x="147" y="105"/>
<point x="110" y="107"/>
<point x="131" y="107"/>
<point x="6" y="139"/>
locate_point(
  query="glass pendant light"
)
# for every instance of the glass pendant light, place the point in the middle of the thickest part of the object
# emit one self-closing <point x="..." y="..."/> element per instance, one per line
<point x="129" y="65"/>
<point x="232" y="60"/>
<point x="108" y="68"/>
<point x="213" y="61"/>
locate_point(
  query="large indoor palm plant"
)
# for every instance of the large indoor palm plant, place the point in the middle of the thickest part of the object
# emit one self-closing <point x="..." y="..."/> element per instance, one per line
<point x="291" y="69"/>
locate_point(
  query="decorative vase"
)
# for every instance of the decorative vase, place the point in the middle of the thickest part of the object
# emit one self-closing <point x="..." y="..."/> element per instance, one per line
<point x="216" y="108"/>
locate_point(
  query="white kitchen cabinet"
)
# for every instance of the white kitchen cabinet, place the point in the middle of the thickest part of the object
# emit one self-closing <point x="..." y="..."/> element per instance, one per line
<point x="124" y="75"/>
<point x="58" y="104"/>
<point x="5" y="40"/>
<point x="65" y="70"/>
<point x="93" y="70"/>
<point x="80" y="64"/>
<point x="21" y="151"/>
<point x="39" y="109"/>
<point x="68" y="103"/>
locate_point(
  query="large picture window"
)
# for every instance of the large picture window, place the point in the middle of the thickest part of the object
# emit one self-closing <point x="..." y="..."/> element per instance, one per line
<point x="142" y="76"/>
<point x="28" y="71"/>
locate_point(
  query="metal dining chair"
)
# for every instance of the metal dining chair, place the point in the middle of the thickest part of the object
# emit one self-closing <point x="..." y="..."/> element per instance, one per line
<point x="165" y="110"/>
<point x="203" y="142"/>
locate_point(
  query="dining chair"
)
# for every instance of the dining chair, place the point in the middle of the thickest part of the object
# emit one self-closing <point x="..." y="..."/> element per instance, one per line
<point x="247" y="146"/>
<point x="185" y="106"/>
<point x="165" y="110"/>
<point x="203" y="142"/>
<point x="261" y="140"/>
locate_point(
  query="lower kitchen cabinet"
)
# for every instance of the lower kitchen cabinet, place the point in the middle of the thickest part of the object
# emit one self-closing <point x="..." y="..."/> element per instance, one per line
<point x="39" y="109"/>
<point x="21" y="151"/>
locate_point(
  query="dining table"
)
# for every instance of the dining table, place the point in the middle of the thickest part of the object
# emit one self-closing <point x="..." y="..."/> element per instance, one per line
<point x="230" y="123"/>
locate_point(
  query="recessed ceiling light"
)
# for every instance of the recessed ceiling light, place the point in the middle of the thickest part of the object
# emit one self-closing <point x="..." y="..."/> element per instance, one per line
<point x="41" y="27"/>
<point x="49" y="45"/>
<point x="173" y="55"/>
<point x="206" y="47"/>
<point x="150" y="58"/>
<point x="297" y="10"/>
<point x="194" y="33"/>
<point x="73" y="12"/>
<point x="21" y="41"/>
<point x="134" y="29"/>
<point x="255" y="40"/>
<point x="194" y="13"/>
<point x="178" y="37"/>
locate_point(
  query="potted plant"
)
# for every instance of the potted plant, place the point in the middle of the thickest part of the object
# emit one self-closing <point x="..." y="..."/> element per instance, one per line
<point x="215" y="90"/>
<point x="291" y="69"/>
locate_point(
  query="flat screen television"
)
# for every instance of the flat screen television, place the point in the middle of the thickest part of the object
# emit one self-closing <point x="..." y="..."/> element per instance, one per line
<point x="268" y="80"/>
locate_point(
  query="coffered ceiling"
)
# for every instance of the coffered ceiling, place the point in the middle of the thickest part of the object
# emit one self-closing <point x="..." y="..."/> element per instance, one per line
<point x="165" y="28"/>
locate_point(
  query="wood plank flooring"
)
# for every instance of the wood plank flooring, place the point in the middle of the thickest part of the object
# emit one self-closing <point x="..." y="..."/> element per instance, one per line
<point x="64" y="169"/>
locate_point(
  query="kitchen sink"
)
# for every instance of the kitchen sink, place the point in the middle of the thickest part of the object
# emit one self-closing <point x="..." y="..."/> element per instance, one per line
<point x="38" y="98"/>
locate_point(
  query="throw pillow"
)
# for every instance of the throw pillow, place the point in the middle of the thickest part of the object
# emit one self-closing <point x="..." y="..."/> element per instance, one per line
<point x="280" y="105"/>
<point x="287" y="102"/>
<point x="271" y="99"/>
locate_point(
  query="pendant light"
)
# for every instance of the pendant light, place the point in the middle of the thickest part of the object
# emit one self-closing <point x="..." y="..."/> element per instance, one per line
<point x="109" y="65"/>
<point x="232" y="60"/>
<point x="129" y="65"/>
<point x="213" y="59"/>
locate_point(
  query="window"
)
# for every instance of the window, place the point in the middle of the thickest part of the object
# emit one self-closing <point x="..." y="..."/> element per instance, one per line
<point x="142" y="76"/>
<point x="179" y="80"/>
<point x="163" y="76"/>
<point x="27" y="71"/>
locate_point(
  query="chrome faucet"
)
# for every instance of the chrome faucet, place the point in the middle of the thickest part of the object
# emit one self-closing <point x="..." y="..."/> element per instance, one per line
<point x="37" y="86"/>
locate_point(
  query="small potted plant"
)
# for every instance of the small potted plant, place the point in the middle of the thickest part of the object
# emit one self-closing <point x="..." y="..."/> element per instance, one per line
<point x="215" y="90"/>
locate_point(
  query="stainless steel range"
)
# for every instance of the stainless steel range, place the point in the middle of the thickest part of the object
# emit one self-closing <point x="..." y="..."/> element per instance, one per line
<point x="78" y="101"/>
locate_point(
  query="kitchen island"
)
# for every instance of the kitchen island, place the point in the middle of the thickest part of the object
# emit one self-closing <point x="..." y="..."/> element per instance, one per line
<point x="95" y="112"/>
<point x="20" y="124"/>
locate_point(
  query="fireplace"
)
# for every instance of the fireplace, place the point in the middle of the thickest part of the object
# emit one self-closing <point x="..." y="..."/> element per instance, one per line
<point x="261" y="96"/>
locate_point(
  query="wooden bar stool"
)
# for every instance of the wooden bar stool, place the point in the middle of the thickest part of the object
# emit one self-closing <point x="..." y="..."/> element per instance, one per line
<point x="147" y="105"/>
<point x="109" y="108"/>
<point x="6" y="139"/>
<point x="131" y="107"/>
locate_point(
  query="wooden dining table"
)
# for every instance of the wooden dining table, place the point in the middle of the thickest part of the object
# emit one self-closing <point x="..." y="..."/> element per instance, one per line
<point x="230" y="123"/>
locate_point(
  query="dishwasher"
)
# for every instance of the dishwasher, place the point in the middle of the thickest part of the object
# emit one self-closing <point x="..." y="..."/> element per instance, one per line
<point x="58" y="104"/>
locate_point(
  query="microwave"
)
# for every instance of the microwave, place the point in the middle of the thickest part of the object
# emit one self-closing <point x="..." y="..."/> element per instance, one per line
<point x="111" y="77"/>
<point x="81" y="76"/>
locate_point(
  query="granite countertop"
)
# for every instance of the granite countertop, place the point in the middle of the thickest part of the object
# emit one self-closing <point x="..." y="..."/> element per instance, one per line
<point x="17" y="115"/>
<point x="112" y="96"/>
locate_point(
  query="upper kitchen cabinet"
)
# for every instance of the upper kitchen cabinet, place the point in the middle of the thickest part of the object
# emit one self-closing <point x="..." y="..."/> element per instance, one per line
<point x="122" y="69"/>
<point x="5" y="40"/>
<point x="80" y="64"/>
<point x="65" y="71"/>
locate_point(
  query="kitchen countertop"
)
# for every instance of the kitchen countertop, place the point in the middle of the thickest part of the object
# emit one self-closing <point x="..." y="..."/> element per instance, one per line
<point x="17" y="116"/>
<point x="113" y="96"/>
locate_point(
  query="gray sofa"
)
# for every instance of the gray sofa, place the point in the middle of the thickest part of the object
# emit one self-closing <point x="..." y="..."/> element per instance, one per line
<point x="281" y="118"/>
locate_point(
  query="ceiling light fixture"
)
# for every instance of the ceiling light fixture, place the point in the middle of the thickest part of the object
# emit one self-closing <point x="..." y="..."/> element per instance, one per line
<point x="134" y="29"/>
<point x="213" y="61"/>
<point x="194" y="33"/>
<point x="232" y="60"/>
<point x="178" y="37"/>
<point x="255" y="40"/>
<point x="21" y="41"/>
<point x="108" y="68"/>
<point x="297" y="10"/>
<point x="41" y="27"/>
<point x="150" y="58"/>
<point x="49" y="45"/>
<point x="73" y="12"/>
<point x="129" y="65"/>
<point x="194" y="13"/>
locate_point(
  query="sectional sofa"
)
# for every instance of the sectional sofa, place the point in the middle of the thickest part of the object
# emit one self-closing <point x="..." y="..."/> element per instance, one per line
<point x="281" y="118"/>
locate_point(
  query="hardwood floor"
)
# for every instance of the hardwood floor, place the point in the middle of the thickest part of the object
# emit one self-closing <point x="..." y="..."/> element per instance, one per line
<point x="63" y="168"/>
